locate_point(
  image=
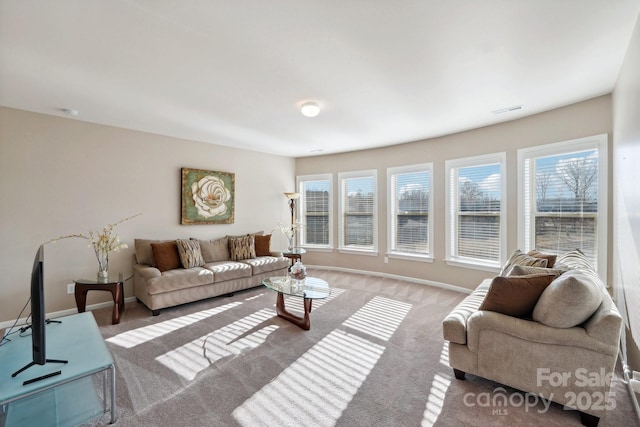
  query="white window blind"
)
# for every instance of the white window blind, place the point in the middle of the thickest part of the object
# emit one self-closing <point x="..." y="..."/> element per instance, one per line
<point x="476" y="214"/>
<point x="409" y="208"/>
<point x="358" y="210"/>
<point x="316" y="211"/>
<point x="562" y="203"/>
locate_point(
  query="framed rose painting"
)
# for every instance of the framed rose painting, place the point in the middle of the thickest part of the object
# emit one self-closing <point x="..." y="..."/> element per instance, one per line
<point x="207" y="197"/>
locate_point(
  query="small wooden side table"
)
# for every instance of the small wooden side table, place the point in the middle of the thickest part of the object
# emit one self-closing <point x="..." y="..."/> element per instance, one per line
<point x="294" y="254"/>
<point x="115" y="286"/>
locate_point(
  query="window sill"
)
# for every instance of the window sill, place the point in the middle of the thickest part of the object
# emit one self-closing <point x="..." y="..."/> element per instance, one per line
<point x="318" y="248"/>
<point x="494" y="268"/>
<point x="410" y="257"/>
<point x="358" y="252"/>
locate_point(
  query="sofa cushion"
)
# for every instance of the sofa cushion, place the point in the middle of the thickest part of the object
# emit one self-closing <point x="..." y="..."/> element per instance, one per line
<point x="190" y="254"/>
<point x="265" y="264"/>
<point x="242" y="247"/>
<point x="520" y="258"/>
<point x="166" y="255"/>
<point x="569" y="300"/>
<point x="515" y="295"/>
<point x="263" y="245"/>
<point x="551" y="258"/>
<point x="174" y="280"/>
<point x="215" y="250"/>
<point x="227" y="270"/>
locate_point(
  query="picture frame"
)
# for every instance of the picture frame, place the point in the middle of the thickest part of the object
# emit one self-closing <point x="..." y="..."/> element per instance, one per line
<point x="208" y="197"/>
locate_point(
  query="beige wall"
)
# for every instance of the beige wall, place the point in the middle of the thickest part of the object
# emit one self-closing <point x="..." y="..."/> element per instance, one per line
<point x="626" y="158"/>
<point x="587" y="118"/>
<point x="62" y="176"/>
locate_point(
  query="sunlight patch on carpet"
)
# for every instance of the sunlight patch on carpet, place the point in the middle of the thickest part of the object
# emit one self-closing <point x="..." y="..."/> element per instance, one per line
<point x="139" y="336"/>
<point x="318" y="386"/>
<point x="233" y="339"/>
<point x="435" y="401"/>
<point x="444" y="354"/>
<point x="380" y="317"/>
<point x="297" y="303"/>
<point x="310" y="392"/>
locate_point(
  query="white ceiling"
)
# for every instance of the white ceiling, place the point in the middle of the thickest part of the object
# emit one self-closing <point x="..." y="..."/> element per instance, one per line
<point x="235" y="72"/>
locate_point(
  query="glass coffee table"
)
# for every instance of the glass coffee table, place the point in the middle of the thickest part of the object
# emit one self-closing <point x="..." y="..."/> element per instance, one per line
<point x="312" y="288"/>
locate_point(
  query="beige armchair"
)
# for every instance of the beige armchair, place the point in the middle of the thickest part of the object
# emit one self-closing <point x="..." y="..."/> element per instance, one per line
<point x="568" y="364"/>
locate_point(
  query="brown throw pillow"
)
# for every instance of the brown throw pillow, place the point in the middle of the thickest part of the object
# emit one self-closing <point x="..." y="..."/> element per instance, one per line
<point x="166" y="256"/>
<point x="263" y="245"/>
<point x="551" y="259"/>
<point x="242" y="247"/>
<point x="515" y="295"/>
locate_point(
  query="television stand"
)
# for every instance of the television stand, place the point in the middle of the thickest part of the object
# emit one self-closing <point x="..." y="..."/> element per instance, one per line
<point x="30" y="364"/>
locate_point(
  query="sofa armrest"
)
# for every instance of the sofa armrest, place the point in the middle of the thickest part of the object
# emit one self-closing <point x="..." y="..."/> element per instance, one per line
<point x="606" y="323"/>
<point x="145" y="272"/>
<point x="530" y="330"/>
<point x="454" y="326"/>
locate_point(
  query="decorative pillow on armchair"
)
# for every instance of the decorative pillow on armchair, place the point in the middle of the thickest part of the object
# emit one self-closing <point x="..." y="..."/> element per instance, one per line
<point x="569" y="300"/>
<point x="551" y="258"/>
<point x="515" y="295"/>
<point x="520" y="258"/>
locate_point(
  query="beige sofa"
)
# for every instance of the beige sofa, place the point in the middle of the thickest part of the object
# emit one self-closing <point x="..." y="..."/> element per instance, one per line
<point x="210" y="269"/>
<point x="564" y="349"/>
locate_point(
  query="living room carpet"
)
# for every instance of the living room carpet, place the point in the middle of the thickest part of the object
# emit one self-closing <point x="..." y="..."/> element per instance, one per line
<point x="374" y="356"/>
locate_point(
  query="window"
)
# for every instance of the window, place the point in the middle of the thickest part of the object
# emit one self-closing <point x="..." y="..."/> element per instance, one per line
<point x="409" y="206"/>
<point x="476" y="222"/>
<point x="562" y="198"/>
<point x="315" y="210"/>
<point x="358" y="207"/>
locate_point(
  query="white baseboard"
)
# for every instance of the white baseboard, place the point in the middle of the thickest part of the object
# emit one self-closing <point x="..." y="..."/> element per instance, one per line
<point x="395" y="277"/>
<point x="22" y="321"/>
<point x="62" y="313"/>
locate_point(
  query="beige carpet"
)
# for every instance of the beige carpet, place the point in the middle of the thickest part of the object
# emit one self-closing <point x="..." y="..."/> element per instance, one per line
<point x="374" y="356"/>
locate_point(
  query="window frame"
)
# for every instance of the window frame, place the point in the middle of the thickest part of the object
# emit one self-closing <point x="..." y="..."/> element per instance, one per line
<point x="300" y="182"/>
<point x="392" y="203"/>
<point x="452" y="203"/>
<point x="360" y="250"/>
<point x="526" y="233"/>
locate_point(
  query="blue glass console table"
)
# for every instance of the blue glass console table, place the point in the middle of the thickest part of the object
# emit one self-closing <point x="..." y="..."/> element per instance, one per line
<point x="69" y="398"/>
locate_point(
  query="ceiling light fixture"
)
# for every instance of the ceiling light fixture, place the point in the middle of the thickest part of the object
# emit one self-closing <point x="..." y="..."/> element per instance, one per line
<point x="508" y="109"/>
<point x="310" y="109"/>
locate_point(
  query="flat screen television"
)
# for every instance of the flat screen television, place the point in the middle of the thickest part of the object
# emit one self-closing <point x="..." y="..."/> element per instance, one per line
<point x="38" y="316"/>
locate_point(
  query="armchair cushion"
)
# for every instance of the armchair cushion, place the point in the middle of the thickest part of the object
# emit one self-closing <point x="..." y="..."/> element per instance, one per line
<point x="568" y="301"/>
<point x="551" y="258"/>
<point x="520" y="258"/>
<point x="515" y="295"/>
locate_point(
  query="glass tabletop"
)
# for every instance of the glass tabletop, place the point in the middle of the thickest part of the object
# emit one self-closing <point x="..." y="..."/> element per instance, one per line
<point x="311" y="288"/>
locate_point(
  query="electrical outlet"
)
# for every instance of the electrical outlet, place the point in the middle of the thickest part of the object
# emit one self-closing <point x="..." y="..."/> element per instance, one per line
<point x="71" y="287"/>
<point x="386" y="260"/>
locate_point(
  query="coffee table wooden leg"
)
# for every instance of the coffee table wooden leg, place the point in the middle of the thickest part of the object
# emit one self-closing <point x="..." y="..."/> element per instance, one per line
<point x="301" y="322"/>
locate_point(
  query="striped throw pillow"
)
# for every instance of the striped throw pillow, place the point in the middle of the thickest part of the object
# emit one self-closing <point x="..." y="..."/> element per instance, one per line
<point x="190" y="254"/>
